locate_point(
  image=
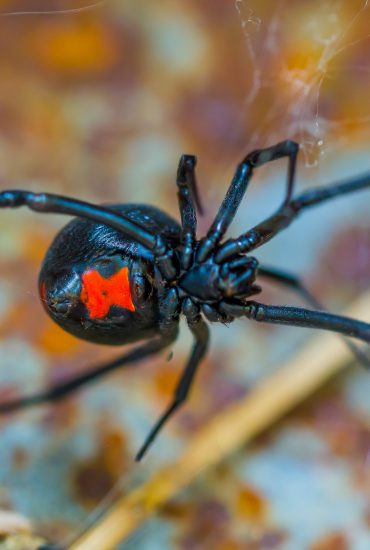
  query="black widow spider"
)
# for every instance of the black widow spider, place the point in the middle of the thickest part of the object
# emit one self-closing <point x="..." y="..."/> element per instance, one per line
<point x="122" y="273"/>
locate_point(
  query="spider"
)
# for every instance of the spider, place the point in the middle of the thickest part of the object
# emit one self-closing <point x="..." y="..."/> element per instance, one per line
<point x="117" y="274"/>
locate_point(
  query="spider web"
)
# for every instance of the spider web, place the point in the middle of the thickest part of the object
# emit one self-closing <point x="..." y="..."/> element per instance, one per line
<point x="58" y="10"/>
<point x="330" y="37"/>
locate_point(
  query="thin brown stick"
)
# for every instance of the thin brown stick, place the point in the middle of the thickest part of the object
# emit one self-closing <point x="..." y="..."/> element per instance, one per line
<point x="319" y="360"/>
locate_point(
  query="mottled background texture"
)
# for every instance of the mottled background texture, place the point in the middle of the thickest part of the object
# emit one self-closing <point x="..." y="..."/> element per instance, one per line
<point x="99" y="103"/>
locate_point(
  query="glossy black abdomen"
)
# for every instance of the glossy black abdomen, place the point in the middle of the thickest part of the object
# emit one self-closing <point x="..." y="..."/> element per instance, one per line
<point x="81" y="239"/>
<point x="84" y="248"/>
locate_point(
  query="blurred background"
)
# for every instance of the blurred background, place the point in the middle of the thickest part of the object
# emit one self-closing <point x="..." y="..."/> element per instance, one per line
<point x="98" y="101"/>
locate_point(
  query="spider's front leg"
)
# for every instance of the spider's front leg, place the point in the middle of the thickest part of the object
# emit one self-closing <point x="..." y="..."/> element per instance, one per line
<point x="267" y="229"/>
<point x="286" y="148"/>
<point x="238" y="187"/>
<point x="188" y="198"/>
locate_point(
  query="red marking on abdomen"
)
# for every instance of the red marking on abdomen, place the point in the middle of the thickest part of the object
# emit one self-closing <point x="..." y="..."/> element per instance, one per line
<point x="99" y="294"/>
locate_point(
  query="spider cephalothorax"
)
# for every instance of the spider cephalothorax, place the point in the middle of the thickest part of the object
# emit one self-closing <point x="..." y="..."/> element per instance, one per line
<point x="210" y="282"/>
<point x="123" y="273"/>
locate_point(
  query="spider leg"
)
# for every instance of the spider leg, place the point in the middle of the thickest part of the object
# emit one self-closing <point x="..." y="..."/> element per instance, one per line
<point x="212" y="314"/>
<point x="57" y="204"/>
<point x="201" y="334"/>
<point x="186" y="178"/>
<point x="68" y="387"/>
<point x="293" y="282"/>
<point x="298" y="317"/>
<point x="238" y="186"/>
<point x="286" y="148"/>
<point x="188" y="198"/>
<point x="270" y="227"/>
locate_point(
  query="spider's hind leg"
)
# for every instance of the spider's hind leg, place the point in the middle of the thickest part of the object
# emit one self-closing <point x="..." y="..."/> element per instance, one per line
<point x="293" y="282"/>
<point x="68" y="387"/>
<point x="200" y="332"/>
<point x="49" y="203"/>
<point x="58" y="204"/>
<point x="298" y="317"/>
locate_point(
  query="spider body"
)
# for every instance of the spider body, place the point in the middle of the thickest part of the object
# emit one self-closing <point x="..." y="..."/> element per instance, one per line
<point x="104" y="286"/>
<point x="118" y="274"/>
